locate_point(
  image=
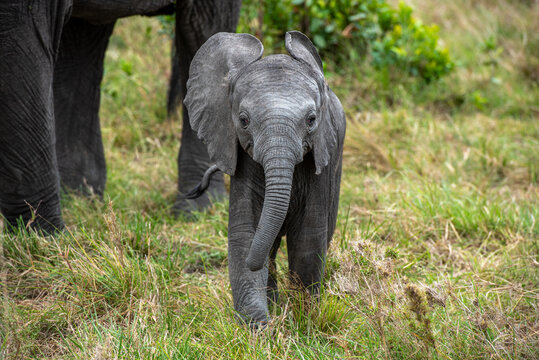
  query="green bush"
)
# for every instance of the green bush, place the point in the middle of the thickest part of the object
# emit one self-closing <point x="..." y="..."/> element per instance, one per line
<point x="411" y="46"/>
<point x="346" y="30"/>
<point x="343" y="30"/>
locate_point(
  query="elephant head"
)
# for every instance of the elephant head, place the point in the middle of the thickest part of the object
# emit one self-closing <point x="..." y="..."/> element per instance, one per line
<point x="276" y="108"/>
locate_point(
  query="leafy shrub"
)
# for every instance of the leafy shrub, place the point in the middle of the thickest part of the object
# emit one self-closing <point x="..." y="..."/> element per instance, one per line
<point x="346" y="30"/>
<point x="411" y="46"/>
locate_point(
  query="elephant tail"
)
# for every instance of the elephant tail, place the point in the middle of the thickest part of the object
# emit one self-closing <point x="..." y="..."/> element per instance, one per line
<point x="203" y="184"/>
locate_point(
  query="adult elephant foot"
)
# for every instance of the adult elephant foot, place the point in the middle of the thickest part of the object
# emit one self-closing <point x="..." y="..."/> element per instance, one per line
<point x="184" y="207"/>
<point x="38" y="212"/>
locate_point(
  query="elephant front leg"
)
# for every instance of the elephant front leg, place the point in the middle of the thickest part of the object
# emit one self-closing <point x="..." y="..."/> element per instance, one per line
<point x="29" y="183"/>
<point x="249" y="288"/>
<point x="77" y="76"/>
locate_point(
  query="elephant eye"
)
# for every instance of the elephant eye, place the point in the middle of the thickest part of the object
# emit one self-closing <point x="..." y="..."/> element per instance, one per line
<point x="244" y="120"/>
<point x="311" y="120"/>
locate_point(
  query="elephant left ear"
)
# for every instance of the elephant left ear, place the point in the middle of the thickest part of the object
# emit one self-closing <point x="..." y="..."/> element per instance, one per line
<point x="325" y="137"/>
<point x="302" y="49"/>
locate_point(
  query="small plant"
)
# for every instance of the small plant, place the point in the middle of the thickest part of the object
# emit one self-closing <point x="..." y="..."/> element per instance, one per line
<point x="418" y="305"/>
<point x="392" y="253"/>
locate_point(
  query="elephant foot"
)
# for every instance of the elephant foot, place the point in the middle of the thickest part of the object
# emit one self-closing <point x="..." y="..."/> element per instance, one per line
<point x="185" y="207"/>
<point x="82" y="172"/>
<point x="83" y="187"/>
<point x="41" y="214"/>
<point x="251" y="307"/>
<point x="256" y="321"/>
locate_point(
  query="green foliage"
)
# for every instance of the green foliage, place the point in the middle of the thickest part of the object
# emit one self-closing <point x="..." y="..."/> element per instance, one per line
<point x="352" y="29"/>
<point x="167" y="23"/>
<point x="411" y="46"/>
<point x="345" y="30"/>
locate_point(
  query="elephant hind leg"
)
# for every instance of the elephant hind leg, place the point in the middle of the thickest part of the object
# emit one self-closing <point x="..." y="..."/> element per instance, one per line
<point x="77" y="75"/>
<point x="193" y="161"/>
<point x="196" y="21"/>
<point x="307" y="248"/>
<point x="29" y="182"/>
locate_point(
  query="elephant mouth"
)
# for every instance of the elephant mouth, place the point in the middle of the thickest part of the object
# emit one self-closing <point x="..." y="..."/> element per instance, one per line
<point x="249" y="148"/>
<point x="306" y="147"/>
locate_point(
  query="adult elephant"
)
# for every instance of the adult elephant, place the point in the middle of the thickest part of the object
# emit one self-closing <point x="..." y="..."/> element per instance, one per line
<point x="51" y="65"/>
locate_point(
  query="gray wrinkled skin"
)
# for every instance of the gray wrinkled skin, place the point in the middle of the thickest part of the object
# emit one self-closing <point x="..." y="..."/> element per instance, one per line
<point x="51" y="66"/>
<point x="274" y="125"/>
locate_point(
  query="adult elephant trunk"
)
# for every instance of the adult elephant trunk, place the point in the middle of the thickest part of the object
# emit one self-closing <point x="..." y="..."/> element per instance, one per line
<point x="279" y="170"/>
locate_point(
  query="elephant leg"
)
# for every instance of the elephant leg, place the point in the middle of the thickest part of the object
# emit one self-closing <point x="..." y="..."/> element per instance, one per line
<point x="193" y="161"/>
<point x="272" y="291"/>
<point x="249" y="288"/>
<point x="307" y="240"/>
<point x="307" y="250"/>
<point x="77" y="76"/>
<point x="30" y="33"/>
<point x="196" y="21"/>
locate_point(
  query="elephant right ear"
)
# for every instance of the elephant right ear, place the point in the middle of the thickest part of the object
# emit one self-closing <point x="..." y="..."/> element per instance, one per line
<point x="207" y="100"/>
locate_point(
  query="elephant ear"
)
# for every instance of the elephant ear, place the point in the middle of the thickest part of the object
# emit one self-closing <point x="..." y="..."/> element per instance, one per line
<point x="302" y="49"/>
<point x="207" y="99"/>
<point x="325" y="137"/>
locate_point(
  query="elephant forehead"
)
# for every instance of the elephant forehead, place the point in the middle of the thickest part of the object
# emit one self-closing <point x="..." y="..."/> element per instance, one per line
<point x="277" y="90"/>
<point x="282" y="95"/>
<point x="278" y="74"/>
<point x="281" y="92"/>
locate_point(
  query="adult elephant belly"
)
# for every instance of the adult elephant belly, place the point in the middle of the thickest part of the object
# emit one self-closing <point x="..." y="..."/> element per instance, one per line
<point x="107" y="11"/>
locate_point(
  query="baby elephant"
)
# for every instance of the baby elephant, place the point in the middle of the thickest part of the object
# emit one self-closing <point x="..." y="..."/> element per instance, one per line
<point x="277" y="129"/>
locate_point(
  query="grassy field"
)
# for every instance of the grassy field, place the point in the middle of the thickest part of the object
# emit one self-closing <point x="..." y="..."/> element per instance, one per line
<point x="436" y="252"/>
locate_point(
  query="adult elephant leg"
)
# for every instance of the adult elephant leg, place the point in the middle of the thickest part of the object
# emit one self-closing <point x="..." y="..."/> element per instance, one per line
<point x="77" y="75"/>
<point x="193" y="161"/>
<point x="30" y="32"/>
<point x="196" y="21"/>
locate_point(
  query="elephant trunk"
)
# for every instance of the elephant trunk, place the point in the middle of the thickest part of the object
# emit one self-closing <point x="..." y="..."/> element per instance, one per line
<point x="279" y="171"/>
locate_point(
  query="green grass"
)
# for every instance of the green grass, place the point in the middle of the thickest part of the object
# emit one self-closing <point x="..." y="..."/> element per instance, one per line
<point x="436" y="252"/>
